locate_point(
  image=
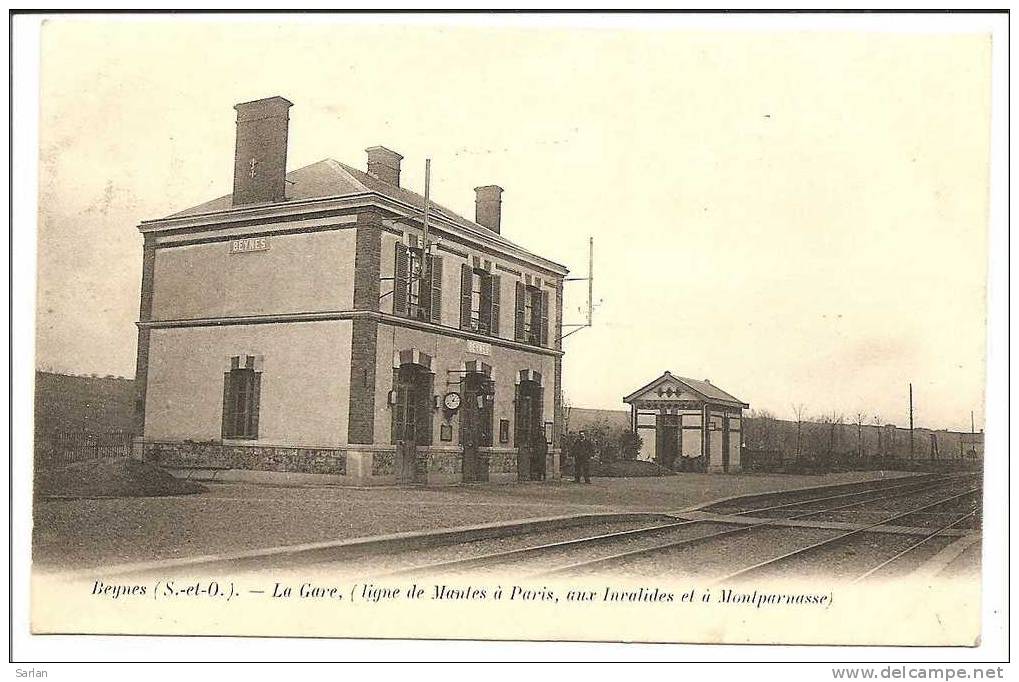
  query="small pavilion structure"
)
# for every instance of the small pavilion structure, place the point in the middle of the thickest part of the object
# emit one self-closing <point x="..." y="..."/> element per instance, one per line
<point x="687" y="424"/>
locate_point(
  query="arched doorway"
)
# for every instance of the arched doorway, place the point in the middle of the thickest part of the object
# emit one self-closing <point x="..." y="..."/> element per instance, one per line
<point x="412" y="421"/>
<point x="476" y="416"/>
<point x="529" y="436"/>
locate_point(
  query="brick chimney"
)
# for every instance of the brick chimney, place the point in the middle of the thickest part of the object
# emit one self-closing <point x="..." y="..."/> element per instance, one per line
<point x="488" y="207"/>
<point x="260" y="157"/>
<point x="384" y="164"/>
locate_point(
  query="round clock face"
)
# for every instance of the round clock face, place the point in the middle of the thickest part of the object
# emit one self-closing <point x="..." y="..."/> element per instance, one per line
<point x="451" y="401"/>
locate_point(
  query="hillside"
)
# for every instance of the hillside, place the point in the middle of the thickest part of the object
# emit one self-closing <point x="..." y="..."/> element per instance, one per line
<point x="73" y="404"/>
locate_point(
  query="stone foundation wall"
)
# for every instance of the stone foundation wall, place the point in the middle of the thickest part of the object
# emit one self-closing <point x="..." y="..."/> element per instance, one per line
<point x="357" y="465"/>
<point x="189" y="455"/>
<point x="502" y="463"/>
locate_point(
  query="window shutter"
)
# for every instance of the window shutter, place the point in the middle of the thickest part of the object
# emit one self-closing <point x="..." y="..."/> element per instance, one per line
<point x="396" y="432"/>
<point x="227" y="406"/>
<point x="544" y="318"/>
<point x="400" y="280"/>
<point x="518" y="313"/>
<point x="256" y="393"/>
<point x="517" y="415"/>
<point x="485" y="310"/>
<point x="495" y="282"/>
<point x="466" y="281"/>
<point x="424" y="287"/>
<point x="535" y="333"/>
<point x="436" y="298"/>
<point x="425" y="415"/>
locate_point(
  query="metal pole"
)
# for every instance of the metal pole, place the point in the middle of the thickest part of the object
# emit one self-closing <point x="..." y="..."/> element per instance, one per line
<point x="428" y="182"/>
<point x="590" y="280"/>
<point x="911" y="421"/>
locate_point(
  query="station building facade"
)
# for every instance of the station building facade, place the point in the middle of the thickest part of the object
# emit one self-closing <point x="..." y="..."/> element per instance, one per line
<point x="300" y="327"/>
<point x="687" y="424"/>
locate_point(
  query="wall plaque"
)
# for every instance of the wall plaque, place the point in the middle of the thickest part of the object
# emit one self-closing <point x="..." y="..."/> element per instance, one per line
<point x="249" y="244"/>
<point x="479" y="347"/>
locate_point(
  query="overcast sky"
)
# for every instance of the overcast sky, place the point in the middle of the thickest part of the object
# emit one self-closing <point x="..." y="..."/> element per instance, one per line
<point x="798" y="217"/>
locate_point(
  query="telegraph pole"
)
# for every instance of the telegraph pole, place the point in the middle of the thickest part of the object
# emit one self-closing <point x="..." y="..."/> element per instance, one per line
<point x="590" y="292"/>
<point x="911" y="420"/>
<point x="590" y="280"/>
<point x="428" y="184"/>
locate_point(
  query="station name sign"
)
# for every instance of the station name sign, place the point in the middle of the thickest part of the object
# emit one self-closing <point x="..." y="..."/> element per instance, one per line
<point x="249" y="244"/>
<point x="479" y="347"/>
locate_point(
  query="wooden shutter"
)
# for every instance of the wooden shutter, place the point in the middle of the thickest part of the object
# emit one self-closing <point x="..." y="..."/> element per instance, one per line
<point x="535" y="333"/>
<point x="544" y="318"/>
<point x="425" y="417"/>
<point x="396" y="432"/>
<point x="228" y="410"/>
<point x="256" y="400"/>
<point x="435" y="267"/>
<point x="518" y="313"/>
<point x="518" y="409"/>
<point x="485" y="306"/>
<point x="400" y="272"/>
<point x="466" y="282"/>
<point x="496" y="283"/>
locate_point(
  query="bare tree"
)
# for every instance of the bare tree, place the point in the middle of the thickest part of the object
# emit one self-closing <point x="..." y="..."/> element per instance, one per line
<point x="761" y="423"/>
<point x="799" y="409"/>
<point x="858" y="420"/>
<point x="832" y="423"/>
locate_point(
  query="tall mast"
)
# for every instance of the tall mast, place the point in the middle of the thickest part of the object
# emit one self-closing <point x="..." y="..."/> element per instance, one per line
<point x="428" y="183"/>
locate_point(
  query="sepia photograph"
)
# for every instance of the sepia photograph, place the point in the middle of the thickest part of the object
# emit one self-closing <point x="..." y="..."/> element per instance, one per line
<point x="639" y="328"/>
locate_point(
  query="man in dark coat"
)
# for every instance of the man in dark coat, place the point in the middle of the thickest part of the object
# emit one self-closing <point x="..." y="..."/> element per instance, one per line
<point x="582" y="458"/>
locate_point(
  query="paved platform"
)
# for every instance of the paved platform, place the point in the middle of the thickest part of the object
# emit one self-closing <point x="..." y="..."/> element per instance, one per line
<point x="231" y="518"/>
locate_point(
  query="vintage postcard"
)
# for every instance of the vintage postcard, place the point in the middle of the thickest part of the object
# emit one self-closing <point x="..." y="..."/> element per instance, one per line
<point x="593" y="328"/>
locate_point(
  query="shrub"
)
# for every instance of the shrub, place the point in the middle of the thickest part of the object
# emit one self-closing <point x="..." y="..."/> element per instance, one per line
<point x="608" y="443"/>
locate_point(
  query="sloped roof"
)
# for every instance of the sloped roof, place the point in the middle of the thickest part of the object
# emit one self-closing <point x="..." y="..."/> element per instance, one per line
<point x="710" y="392"/>
<point x="331" y="178"/>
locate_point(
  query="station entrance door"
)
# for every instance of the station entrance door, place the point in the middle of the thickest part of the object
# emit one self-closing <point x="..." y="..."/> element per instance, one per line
<point x="529" y="434"/>
<point x="412" y="422"/>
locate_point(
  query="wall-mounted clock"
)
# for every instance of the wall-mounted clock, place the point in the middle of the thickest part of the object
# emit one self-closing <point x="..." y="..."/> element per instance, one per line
<point x="451" y="401"/>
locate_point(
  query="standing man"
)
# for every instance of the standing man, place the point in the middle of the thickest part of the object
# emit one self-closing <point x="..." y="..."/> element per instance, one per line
<point x="582" y="458"/>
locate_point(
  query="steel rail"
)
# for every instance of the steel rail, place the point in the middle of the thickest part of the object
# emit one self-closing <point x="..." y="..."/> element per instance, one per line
<point x="515" y="554"/>
<point x="771" y="523"/>
<point x="920" y="485"/>
<point x="838" y="538"/>
<point x="912" y="548"/>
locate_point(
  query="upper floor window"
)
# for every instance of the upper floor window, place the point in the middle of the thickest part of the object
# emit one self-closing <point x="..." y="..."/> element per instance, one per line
<point x="479" y="300"/>
<point x="531" y="319"/>
<point x="417" y="284"/>
<point x="242" y="387"/>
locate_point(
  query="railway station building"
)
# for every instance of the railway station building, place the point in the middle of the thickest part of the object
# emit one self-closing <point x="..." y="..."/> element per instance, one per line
<point x="302" y="327"/>
<point x="687" y="424"/>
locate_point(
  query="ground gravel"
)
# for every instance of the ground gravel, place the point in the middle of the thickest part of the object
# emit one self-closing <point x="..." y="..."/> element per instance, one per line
<point x="238" y="517"/>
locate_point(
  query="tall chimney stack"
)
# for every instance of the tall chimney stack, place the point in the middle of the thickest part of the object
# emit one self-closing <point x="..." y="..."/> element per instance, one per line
<point x="260" y="157"/>
<point x="384" y="164"/>
<point x="488" y="207"/>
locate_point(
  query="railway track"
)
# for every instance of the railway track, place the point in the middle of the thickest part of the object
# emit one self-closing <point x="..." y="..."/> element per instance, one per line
<point x="773" y="563"/>
<point x="689" y="533"/>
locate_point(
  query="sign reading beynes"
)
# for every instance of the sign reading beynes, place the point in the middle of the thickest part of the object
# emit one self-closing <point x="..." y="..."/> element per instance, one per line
<point x="249" y="244"/>
<point x="479" y="347"/>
